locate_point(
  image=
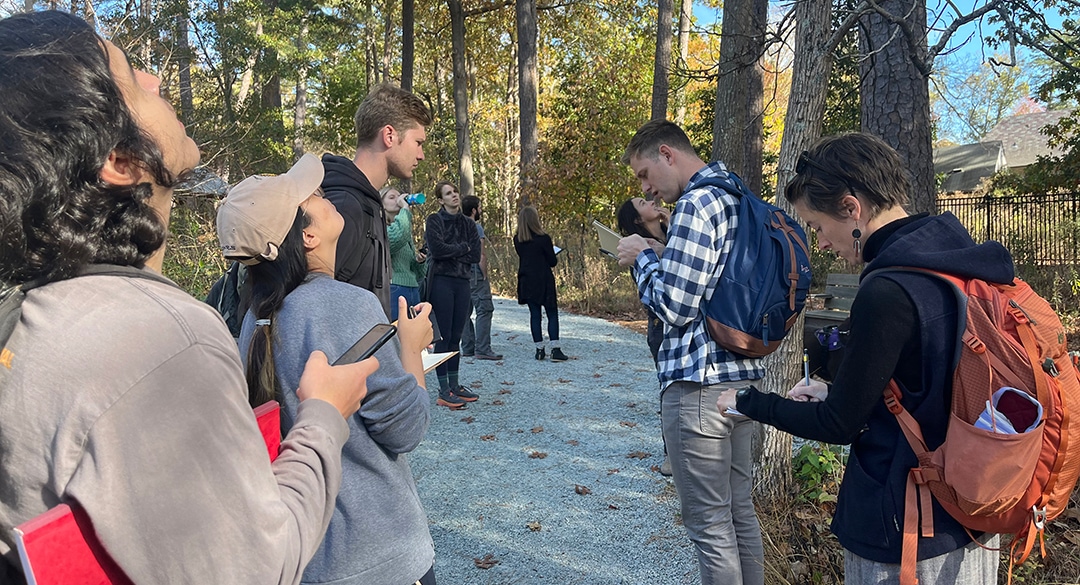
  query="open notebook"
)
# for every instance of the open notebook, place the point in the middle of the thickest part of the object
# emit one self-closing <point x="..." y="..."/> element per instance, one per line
<point x="59" y="547"/>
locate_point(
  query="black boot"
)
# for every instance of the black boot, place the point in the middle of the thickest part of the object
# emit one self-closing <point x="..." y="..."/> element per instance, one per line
<point x="540" y="353"/>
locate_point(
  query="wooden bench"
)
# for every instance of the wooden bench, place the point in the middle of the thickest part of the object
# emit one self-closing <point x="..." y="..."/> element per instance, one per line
<point x="839" y="293"/>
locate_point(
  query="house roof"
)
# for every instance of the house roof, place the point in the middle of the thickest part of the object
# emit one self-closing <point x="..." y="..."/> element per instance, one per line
<point x="965" y="166"/>
<point x="1021" y="137"/>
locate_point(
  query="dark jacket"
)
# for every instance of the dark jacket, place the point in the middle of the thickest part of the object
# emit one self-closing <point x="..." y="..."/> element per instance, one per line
<point x="903" y="327"/>
<point x="363" y="252"/>
<point x="453" y="244"/>
<point x="535" y="281"/>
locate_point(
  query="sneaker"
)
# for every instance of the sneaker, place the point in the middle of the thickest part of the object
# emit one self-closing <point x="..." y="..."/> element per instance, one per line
<point x="449" y="400"/>
<point x="557" y="355"/>
<point x="463" y="354"/>
<point x="540" y="354"/>
<point x="490" y="357"/>
<point x="463" y="394"/>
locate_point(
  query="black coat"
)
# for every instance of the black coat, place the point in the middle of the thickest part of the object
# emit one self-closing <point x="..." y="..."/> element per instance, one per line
<point x="536" y="282"/>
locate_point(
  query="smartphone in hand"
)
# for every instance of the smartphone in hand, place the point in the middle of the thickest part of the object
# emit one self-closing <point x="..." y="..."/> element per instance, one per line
<point x="367" y="345"/>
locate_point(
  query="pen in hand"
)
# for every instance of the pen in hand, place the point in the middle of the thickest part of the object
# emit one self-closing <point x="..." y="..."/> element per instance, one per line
<point x="806" y="367"/>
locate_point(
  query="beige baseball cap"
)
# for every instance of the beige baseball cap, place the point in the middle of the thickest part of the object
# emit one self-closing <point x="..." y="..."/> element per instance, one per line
<point x="259" y="211"/>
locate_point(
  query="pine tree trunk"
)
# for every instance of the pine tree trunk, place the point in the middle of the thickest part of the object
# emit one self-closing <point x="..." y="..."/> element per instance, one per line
<point x="896" y="94"/>
<point x="300" y="107"/>
<point x="183" y="62"/>
<point x="527" y="92"/>
<point x="408" y="45"/>
<point x="738" y="126"/>
<point x="662" y="63"/>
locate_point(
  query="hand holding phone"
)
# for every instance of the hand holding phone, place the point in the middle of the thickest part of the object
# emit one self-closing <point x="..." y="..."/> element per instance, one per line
<point x="414" y="331"/>
<point x="344" y="387"/>
<point x="367" y="345"/>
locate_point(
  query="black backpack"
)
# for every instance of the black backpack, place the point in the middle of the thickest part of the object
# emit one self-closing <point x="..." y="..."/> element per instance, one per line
<point x="230" y="296"/>
<point x="765" y="280"/>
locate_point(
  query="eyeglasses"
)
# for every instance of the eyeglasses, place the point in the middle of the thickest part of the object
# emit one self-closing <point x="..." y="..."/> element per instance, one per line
<point x="831" y="337"/>
<point x="805" y="161"/>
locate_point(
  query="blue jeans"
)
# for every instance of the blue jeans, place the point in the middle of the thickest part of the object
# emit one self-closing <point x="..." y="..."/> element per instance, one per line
<point x="713" y="473"/>
<point x="411" y="294"/>
<point x="552" y="311"/>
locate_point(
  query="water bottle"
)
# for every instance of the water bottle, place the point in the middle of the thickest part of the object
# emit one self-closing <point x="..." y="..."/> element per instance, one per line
<point x="415" y="198"/>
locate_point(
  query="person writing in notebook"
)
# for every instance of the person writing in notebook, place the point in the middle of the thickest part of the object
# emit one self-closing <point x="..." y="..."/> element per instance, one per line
<point x="120" y="392"/>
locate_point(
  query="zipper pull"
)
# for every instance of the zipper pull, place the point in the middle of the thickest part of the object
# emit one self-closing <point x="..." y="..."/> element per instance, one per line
<point x="765" y="329"/>
<point x="1015" y="305"/>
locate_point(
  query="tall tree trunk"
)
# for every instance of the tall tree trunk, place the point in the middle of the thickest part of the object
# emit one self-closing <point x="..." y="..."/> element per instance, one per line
<point x="685" y="15"/>
<point x="183" y="62"/>
<point x="896" y="93"/>
<point x="248" y="76"/>
<point x="388" y="44"/>
<point x="738" y="126"/>
<point x="662" y="62"/>
<point x="300" y="107"/>
<point x="461" y="97"/>
<point x="408" y="45"/>
<point x="146" y="17"/>
<point x="271" y="90"/>
<point x="802" y="126"/>
<point x="527" y="93"/>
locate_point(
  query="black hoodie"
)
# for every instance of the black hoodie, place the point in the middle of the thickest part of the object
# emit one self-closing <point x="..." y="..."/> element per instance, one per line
<point x="362" y="250"/>
<point x="903" y="326"/>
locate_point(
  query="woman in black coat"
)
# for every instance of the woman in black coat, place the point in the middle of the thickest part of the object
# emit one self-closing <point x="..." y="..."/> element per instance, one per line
<point x="536" y="283"/>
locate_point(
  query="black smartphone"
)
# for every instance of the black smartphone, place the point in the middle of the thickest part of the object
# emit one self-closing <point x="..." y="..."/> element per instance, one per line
<point x="367" y="345"/>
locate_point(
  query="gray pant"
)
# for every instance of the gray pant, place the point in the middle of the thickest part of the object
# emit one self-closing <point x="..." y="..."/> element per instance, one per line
<point x="711" y="466"/>
<point x="971" y="565"/>
<point x="478" y="340"/>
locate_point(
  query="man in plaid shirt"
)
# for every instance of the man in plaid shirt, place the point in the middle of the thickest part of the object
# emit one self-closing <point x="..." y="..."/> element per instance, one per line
<point x="710" y="453"/>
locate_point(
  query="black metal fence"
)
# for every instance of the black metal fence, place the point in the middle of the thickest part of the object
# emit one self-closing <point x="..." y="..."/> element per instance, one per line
<point x="1038" y="229"/>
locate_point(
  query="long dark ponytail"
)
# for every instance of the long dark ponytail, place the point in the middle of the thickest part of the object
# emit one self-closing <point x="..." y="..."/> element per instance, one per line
<point x="271" y="281"/>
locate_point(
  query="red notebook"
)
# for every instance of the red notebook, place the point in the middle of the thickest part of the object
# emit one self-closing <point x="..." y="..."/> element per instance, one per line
<point x="59" y="547"/>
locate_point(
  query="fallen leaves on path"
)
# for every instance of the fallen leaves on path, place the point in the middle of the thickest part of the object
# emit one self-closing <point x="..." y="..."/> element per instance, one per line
<point x="638" y="455"/>
<point x="631" y="404"/>
<point x="582" y="490"/>
<point x="534" y="526"/>
<point x="468" y="420"/>
<point x="487" y="562"/>
<point x="537" y="455"/>
<point x="504" y="391"/>
<point x="476" y="384"/>
<point x="564" y="381"/>
<point x="613" y="471"/>
<point x="627" y="423"/>
<point x="497" y="402"/>
<point x="487" y="437"/>
<point x="506" y="383"/>
<point x="537" y="429"/>
<point x="616" y="385"/>
<point x="573" y="442"/>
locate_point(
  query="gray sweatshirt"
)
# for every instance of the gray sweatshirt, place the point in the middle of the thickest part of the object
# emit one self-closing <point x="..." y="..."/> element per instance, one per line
<point x="379" y="534"/>
<point x="126" y="396"/>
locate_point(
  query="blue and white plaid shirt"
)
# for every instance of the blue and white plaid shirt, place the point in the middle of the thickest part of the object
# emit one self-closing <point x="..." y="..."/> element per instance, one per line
<point x="675" y="285"/>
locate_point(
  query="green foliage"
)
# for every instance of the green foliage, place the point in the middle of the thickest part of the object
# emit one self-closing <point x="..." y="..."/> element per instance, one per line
<point x="842" y="112"/>
<point x="818" y="469"/>
<point x="969" y="102"/>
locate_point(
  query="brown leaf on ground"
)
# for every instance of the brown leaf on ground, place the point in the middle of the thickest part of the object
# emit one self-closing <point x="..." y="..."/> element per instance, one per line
<point x="534" y="526"/>
<point x="497" y="403"/>
<point x="612" y="507"/>
<point x="626" y="423"/>
<point x="506" y="383"/>
<point x="573" y="442"/>
<point x="487" y="562"/>
<point x="504" y="391"/>
<point x="468" y="420"/>
<point x="638" y="455"/>
<point x="487" y="437"/>
<point x="476" y="384"/>
<point x="597" y="376"/>
<point x="560" y="403"/>
<point x="613" y="471"/>
<point x="616" y="385"/>
<point x="582" y="490"/>
<point x="631" y="405"/>
<point x="655" y="469"/>
<point x="537" y="429"/>
<point x="537" y="455"/>
<point x="564" y="381"/>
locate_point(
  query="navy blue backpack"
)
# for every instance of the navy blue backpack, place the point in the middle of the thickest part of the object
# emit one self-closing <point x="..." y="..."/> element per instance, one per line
<point x="764" y="284"/>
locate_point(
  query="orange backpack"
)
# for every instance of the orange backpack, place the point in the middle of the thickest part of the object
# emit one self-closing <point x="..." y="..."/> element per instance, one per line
<point x="987" y="480"/>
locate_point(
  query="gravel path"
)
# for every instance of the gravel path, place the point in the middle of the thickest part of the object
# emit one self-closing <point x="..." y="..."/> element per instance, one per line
<point x="553" y="471"/>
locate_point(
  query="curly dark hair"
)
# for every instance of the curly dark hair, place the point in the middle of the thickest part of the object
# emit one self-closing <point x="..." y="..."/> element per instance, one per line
<point x="61" y="116"/>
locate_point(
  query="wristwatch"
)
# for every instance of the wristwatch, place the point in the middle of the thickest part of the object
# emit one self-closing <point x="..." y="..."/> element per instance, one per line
<point x="745" y="390"/>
